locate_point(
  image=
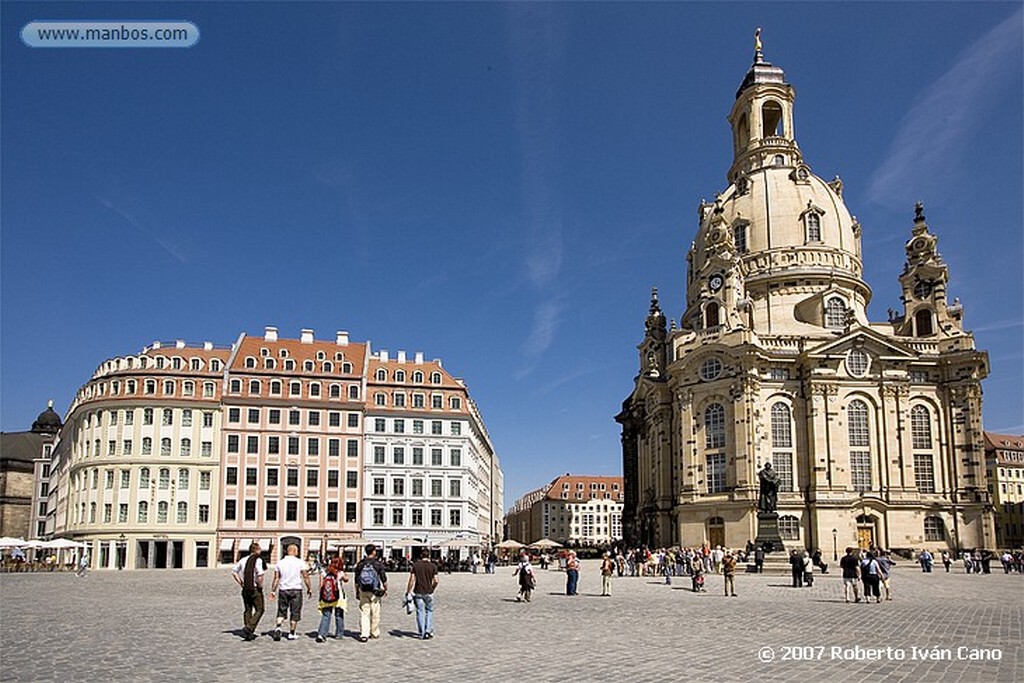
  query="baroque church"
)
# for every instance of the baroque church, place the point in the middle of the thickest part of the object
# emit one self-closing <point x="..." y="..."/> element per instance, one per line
<point x="874" y="428"/>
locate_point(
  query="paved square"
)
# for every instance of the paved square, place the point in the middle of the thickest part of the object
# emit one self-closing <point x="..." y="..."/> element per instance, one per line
<point x="164" y="626"/>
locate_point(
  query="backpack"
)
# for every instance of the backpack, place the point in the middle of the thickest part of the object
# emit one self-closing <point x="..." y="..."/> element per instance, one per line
<point x="368" y="579"/>
<point x="329" y="588"/>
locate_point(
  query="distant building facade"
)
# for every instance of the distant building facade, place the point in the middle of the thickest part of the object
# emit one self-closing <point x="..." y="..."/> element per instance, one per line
<point x="1004" y="464"/>
<point x="873" y="427"/>
<point x="572" y="509"/>
<point x="24" y="476"/>
<point x="180" y="456"/>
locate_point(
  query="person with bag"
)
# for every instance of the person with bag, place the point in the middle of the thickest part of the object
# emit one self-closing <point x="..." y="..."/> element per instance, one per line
<point x="527" y="579"/>
<point x="421" y="586"/>
<point x="371" y="586"/>
<point x="572" y="574"/>
<point x="332" y="600"/>
<point x="871" y="574"/>
<point x="248" y="573"/>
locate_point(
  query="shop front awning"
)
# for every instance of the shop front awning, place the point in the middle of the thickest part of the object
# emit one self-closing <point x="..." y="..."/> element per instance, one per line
<point x="265" y="543"/>
<point x="314" y="545"/>
<point x="227" y="544"/>
<point x="243" y="545"/>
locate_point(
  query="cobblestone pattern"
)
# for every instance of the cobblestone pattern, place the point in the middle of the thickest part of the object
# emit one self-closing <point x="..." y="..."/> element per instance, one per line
<point x="171" y="626"/>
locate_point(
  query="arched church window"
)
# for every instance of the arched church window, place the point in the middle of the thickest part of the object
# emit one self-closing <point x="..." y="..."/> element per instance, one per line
<point x="920" y="427"/>
<point x="859" y="434"/>
<point x="835" y="314"/>
<point x="779" y="160"/>
<point x="789" y="528"/>
<point x="782" y="444"/>
<point x="771" y="119"/>
<point x="813" y="227"/>
<point x="711" y="316"/>
<point x="714" y="426"/>
<point x="742" y="132"/>
<point x="923" y="322"/>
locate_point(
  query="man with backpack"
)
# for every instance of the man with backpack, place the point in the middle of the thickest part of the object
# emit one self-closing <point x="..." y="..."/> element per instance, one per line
<point x="371" y="586"/>
<point x="248" y="573"/>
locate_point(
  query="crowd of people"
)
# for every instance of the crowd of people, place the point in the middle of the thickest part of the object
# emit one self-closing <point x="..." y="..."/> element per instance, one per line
<point x="975" y="561"/>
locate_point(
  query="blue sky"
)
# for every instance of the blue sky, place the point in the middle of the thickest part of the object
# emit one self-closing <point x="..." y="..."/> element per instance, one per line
<point x="497" y="185"/>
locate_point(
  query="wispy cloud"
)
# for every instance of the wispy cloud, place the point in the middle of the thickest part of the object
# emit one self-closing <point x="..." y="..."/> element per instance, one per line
<point x="546" y="319"/>
<point x="535" y="44"/>
<point x="997" y="325"/>
<point x="129" y="218"/>
<point x="565" y="379"/>
<point x="937" y="127"/>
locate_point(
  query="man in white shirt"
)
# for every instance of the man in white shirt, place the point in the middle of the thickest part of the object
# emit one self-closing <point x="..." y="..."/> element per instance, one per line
<point x="289" y="576"/>
<point x="248" y="573"/>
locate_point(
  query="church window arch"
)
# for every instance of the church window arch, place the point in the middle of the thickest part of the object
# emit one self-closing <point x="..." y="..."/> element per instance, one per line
<point x="789" y="528"/>
<point x="921" y="443"/>
<point x="712" y="315"/>
<point x="714" y="426"/>
<point x="835" y="313"/>
<point x="742" y="132"/>
<point x="923" y="323"/>
<point x="859" y="435"/>
<point x="782" y="444"/>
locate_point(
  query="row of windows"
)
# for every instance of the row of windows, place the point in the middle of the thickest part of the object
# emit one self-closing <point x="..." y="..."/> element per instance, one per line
<point x="594" y="486"/>
<point x="398" y="400"/>
<point x="163" y="363"/>
<point x="127" y="447"/>
<point x="271" y="510"/>
<point x="289" y="365"/>
<point x="417" y="487"/>
<point x="276" y="387"/>
<point x="417" y="453"/>
<point x="416" y="517"/>
<point x="292" y="445"/>
<point x="272" y="477"/>
<point x="789" y="527"/>
<point x="127" y="417"/>
<point x="167" y="387"/>
<point x="294" y="415"/>
<point x="398" y="426"/>
<point x="399" y="376"/>
<point x="163" y="479"/>
<point x="142" y="515"/>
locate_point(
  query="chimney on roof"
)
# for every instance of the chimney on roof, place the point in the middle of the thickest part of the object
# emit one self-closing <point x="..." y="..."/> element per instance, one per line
<point x="179" y="344"/>
<point x="438" y="361"/>
<point x="401" y="356"/>
<point x="156" y="345"/>
<point x="270" y="334"/>
<point x="383" y="353"/>
<point x="207" y="346"/>
<point x="342" y="338"/>
<point x="419" y="358"/>
<point x="306" y="336"/>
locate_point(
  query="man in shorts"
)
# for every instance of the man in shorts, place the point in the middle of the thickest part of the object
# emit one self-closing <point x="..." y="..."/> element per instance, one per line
<point x="289" y="576"/>
<point x="248" y="573"/>
<point x="850" y="564"/>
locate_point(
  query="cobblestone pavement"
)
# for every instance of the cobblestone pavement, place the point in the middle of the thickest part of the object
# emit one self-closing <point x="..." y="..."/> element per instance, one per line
<point x="165" y="625"/>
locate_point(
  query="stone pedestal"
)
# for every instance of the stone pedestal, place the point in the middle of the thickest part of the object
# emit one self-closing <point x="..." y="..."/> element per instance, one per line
<point x="768" y="533"/>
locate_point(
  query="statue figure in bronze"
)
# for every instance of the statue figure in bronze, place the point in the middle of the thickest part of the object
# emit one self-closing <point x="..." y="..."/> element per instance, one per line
<point x="768" y="496"/>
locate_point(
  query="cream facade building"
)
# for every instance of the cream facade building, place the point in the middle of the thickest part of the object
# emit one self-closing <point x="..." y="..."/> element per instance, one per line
<point x="1004" y="463"/>
<point x="577" y="510"/>
<point x="873" y="427"/>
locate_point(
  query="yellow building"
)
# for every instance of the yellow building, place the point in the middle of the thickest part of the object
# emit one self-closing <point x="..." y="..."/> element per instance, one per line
<point x="873" y="427"/>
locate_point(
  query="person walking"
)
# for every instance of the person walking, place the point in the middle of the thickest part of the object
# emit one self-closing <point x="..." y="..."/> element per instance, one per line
<point x="572" y="574"/>
<point x="808" y="569"/>
<point x="371" y="587"/>
<point x="290" y="575"/>
<point x="926" y="559"/>
<point x="607" y="567"/>
<point x="885" y="565"/>
<point x="850" y="565"/>
<point x="759" y="559"/>
<point x="729" y="573"/>
<point x="248" y="574"/>
<point x="870" y="574"/>
<point x="422" y="584"/>
<point x="332" y="599"/>
<point x="947" y="561"/>
<point x="83" y="565"/>
<point x="527" y="579"/>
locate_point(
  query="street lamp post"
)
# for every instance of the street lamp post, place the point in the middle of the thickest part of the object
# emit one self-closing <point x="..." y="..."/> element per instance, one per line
<point x="122" y="546"/>
<point x="835" y="545"/>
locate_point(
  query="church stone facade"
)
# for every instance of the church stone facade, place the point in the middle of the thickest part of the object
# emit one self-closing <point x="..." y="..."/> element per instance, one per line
<point x="874" y="427"/>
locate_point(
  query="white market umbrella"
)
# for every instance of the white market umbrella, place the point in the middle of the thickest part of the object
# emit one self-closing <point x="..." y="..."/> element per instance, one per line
<point x="11" y="542"/>
<point x="509" y="545"/>
<point x="546" y="543"/>
<point x="60" y="544"/>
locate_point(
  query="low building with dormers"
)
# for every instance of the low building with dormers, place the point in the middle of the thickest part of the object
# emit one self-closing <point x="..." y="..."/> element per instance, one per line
<point x="873" y="427"/>
<point x="1004" y="465"/>
<point x="575" y="510"/>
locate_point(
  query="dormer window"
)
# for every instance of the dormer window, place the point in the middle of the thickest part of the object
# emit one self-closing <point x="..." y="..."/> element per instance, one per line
<point x="835" y="313"/>
<point x="739" y="236"/>
<point x="779" y="160"/>
<point x="382" y="375"/>
<point x="813" y="222"/>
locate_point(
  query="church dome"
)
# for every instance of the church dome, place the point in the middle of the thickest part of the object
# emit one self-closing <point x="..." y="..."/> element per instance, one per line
<point x="48" y="422"/>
